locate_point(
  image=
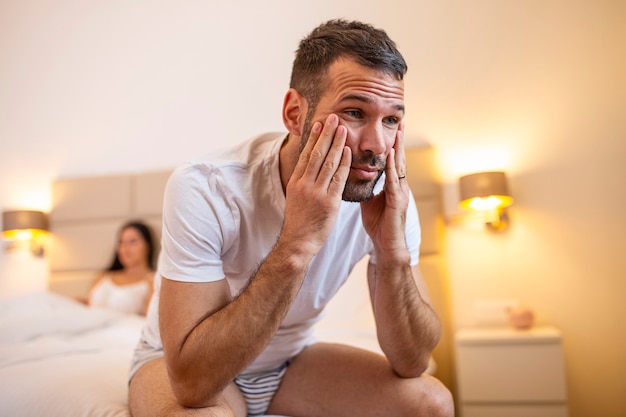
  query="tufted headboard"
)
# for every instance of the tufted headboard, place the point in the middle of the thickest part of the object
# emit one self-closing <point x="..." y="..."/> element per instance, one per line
<point x="85" y="219"/>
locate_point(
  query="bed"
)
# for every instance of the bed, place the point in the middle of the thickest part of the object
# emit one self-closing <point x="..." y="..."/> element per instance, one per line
<point x="59" y="357"/>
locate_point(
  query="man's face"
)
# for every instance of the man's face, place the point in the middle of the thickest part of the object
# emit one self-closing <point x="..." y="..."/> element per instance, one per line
<point x="370" y="104"/>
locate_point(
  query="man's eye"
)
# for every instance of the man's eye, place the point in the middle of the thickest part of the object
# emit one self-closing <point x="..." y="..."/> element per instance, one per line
<point x="356" y="114"/>
<point x="392" y="120"/>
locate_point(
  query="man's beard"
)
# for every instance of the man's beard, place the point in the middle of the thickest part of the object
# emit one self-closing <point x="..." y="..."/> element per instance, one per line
<point x="356" y="190"/>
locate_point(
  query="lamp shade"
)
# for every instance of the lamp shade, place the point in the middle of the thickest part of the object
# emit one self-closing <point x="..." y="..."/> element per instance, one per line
<point x="485" y="191"/>
<point x="23" y="224"/>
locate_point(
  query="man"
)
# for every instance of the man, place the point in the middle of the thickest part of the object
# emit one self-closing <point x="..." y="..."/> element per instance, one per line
<point x="257" y="240"/>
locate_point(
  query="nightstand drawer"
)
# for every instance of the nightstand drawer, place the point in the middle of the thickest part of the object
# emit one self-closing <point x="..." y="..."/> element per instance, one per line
<point x="511" y="373"/>
<point x="547" y="410"/>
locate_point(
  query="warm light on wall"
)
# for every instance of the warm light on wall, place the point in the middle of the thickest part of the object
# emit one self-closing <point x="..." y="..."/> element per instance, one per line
<point x="25" y="225"/>
<point x="487" y="192"/>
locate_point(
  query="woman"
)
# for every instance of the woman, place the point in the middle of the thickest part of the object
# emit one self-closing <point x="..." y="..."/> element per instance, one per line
<point x="126" y="286"/>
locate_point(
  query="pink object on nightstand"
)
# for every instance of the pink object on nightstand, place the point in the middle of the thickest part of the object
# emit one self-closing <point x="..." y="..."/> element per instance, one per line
<point x="521" y="318"/>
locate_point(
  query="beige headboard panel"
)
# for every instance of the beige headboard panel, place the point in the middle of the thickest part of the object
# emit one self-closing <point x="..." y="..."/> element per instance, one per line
<point x="86" y="216"/>
<point x="423" y="179"/>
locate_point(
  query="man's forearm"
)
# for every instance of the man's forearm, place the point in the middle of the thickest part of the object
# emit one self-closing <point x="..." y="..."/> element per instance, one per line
<point x="224" y="342"/>
<point x="408" y="328"/>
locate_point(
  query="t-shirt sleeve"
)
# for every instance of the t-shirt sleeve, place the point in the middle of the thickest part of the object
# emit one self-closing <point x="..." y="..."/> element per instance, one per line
<point x="197" y="224"/>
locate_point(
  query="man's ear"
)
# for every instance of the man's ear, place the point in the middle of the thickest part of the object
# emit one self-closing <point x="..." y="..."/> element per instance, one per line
<point x="294" y="112"/>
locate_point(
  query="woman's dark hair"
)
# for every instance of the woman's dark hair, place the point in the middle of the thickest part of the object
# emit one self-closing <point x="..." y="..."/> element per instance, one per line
<point x="146" y="233"/>
<point x="367" y="45"/>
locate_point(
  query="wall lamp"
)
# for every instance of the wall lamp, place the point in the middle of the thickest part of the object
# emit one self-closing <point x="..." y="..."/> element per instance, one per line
<point x="488" y="193"/>
<point x="25" y="226"/>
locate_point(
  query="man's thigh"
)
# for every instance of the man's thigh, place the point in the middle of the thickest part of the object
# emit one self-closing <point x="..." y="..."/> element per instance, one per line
<point x="342" y="381"/>
<point x="150" y="395"/>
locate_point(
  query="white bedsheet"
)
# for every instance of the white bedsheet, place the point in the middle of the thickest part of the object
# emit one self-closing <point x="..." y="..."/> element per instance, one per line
<point x="60" y="358"/>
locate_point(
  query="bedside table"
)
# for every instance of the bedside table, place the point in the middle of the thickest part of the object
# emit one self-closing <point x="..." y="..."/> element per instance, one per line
<point x="503" y="372"/>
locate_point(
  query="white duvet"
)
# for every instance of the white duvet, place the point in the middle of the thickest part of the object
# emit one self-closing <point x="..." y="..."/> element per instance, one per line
<point x="61" y="358"/>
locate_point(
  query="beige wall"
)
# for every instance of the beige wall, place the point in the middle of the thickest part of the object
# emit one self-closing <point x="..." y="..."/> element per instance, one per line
<point x="547" y="103"/>
<point x="534" y="87"/>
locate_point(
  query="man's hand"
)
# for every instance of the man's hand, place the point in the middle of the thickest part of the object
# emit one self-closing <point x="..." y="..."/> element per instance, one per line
<point x="384" y="215"/>
<point x="313" y="195"/>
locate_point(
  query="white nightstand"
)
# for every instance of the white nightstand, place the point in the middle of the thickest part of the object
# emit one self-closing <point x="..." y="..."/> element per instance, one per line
<point x="502" y="372"/>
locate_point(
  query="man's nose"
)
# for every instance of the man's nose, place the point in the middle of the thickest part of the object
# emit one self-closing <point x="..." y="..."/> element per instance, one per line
<point x="373" y="139"/>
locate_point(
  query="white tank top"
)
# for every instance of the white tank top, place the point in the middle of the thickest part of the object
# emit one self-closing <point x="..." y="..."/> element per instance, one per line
<point x="129" y="298"/>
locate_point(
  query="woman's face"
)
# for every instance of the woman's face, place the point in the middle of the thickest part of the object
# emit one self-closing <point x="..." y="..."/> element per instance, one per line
<point x="132" y="249"/>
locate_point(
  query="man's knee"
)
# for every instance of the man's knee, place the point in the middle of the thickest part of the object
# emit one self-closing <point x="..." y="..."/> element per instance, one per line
<point x="150" y="395"/>
<point x="437" y="402"/>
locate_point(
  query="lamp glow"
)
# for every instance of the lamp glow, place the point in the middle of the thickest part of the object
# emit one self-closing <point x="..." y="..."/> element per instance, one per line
<point x="25" y="225"/>
<point x="487" y="192"/>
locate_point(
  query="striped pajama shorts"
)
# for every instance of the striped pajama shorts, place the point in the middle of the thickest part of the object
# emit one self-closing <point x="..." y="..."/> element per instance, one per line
<point x="259" y="388"/>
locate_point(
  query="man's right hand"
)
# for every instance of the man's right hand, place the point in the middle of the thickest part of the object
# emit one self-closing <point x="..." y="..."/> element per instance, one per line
<point x="313" y="195"/>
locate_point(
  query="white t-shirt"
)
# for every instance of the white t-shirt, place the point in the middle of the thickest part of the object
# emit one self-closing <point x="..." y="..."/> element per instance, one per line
<point x="222" y="215"/>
